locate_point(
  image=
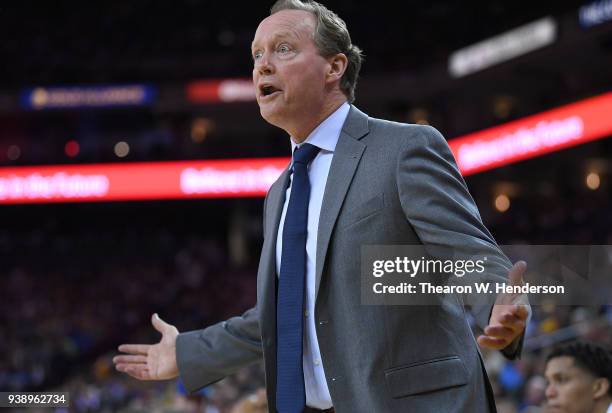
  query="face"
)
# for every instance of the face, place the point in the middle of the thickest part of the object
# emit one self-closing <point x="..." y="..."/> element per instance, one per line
<point x="289" y="73"/>
<point x="570" y="388"/>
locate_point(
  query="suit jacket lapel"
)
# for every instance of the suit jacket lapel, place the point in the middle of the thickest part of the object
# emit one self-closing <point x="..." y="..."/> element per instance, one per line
<point x="344" y="164"/>
<point x="276" y="200"/>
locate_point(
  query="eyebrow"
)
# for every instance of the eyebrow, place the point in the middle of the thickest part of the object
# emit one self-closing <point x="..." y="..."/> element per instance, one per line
<point x="284" y="33"/>
<point x="556" y="374"/>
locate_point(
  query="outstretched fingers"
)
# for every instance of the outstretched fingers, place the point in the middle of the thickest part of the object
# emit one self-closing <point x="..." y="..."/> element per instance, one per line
<point x="517" y="272"/>
<point x="135" y="349"/>
<point x="130" y="359"/>
<point x="492" y="342"/>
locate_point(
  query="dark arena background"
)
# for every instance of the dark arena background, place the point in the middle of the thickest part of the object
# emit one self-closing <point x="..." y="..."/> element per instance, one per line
<point x="134" y="161"/>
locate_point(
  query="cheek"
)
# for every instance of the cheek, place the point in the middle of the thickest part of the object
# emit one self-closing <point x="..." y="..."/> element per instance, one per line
<point x="303" y="80"/>
<point x="575" y="396"/>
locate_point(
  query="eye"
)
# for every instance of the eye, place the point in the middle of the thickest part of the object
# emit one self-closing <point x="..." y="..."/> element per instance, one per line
<point x="257" y="54"/>
<point x="283" y="48"/>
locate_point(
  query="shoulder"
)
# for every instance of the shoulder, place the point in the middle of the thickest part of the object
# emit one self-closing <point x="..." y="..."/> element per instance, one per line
<point x="406" y="134"/>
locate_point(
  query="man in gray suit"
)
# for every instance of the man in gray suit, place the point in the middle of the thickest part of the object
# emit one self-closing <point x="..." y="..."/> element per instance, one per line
<point x="369" y="181"/>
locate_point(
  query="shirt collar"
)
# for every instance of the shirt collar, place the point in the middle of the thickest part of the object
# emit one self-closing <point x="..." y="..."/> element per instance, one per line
<point x="325" y="136"/>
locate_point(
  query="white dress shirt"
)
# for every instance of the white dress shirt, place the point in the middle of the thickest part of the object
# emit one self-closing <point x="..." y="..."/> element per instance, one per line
<point x="325" y="136"/>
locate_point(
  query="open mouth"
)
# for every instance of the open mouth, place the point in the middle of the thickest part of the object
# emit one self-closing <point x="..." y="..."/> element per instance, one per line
<point x="268" y="91"/>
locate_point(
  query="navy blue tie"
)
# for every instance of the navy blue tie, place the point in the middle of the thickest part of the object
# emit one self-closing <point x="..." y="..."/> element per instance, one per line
<point x="290" y="393"/>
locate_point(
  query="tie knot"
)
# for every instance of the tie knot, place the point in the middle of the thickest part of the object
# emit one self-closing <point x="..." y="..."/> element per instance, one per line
<point x="305" y="153"/>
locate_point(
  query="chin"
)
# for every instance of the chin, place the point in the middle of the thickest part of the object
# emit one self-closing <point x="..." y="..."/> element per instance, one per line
<point x="270" y="115"/>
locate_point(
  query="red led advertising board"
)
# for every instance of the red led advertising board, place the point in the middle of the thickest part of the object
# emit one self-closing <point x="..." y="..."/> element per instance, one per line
<point x="140" y="181"/>
<point x="535" y="135"/>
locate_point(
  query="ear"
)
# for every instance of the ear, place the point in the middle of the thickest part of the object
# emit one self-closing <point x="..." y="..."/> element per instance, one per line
<point x="337" y="66"/>
<point x="601" y="386"/>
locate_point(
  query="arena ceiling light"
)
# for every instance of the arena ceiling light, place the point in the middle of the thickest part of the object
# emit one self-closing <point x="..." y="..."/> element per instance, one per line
<point x="595" y="13"/>
<point x="503" y="47"/>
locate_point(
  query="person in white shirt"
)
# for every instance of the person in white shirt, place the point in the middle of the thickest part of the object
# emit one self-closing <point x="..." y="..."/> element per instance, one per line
<point x="361" y="181"/>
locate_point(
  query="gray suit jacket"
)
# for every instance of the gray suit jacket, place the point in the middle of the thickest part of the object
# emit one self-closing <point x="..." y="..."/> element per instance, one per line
<point x="389" y="183"/>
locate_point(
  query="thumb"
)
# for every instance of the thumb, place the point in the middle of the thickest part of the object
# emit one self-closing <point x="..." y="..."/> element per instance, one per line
<point x="515" y="276"/>
<point x="159" y="324"/>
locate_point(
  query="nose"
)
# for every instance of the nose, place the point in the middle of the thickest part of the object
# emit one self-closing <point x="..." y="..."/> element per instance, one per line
<point x="550" y="392"/>
<point x="263" y="65"/>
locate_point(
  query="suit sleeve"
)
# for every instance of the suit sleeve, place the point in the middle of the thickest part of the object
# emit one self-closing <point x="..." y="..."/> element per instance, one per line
<point x="437" y="203"/>
<point x="208" y="355"/>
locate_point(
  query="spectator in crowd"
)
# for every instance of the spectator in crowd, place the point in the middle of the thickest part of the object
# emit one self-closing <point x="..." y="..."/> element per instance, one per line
<point x="254" y="403"/>
<point x="579" y="379"/>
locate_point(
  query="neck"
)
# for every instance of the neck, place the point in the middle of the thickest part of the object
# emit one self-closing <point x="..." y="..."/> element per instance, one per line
<point x="603" y="405"/>
<point x="299" y="133"/>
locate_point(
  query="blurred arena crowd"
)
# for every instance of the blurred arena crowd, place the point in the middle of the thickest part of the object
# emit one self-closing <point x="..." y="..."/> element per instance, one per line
<point x="66" y="320"/>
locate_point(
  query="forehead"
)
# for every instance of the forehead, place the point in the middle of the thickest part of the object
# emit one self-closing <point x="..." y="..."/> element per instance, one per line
<point x="298" y="24"/>
<point x="563" y="364"/>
